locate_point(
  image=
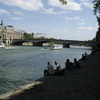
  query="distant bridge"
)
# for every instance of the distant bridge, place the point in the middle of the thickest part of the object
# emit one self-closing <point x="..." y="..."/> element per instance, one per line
<point x="39" y="42"/>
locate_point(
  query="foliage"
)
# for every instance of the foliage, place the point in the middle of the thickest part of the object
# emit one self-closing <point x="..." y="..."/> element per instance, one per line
<point x="42" y="37"/>
<point x="94" y="39"/>
<point x="51" y="38"/>
<point x="98" y="35"/>
<point x="96" y="7"/>
<point x="97" y="13"/>
<point x="64" y="2"/>
<point x="28" y="36"/>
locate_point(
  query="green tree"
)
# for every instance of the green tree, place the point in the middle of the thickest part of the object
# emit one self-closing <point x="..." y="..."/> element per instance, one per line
<point x="96" y="7"/>
<point x="28" y="36"/>
<point x="25" y="35"/>
<point x="94" y="39"/>
<point x="96" y="11"/>
<point x="64" y="2"/>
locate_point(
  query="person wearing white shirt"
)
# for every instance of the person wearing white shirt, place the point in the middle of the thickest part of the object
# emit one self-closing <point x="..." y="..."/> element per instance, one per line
<point x="58" y="67"/>
<point x="50" y="69"/>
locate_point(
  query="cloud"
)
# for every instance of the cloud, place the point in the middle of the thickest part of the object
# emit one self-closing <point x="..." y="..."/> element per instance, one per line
<point x="87" y="4"/>
<point x="70" y="18"/>
<point x="86" y="28"/>
<point x="56" y="30"/>
<point x="29" y="22"/>
<point x="2" y="11"/>
<point x="30" y="5"/>
<point x="16" y="18"/>
<point x="84" y="0"/>
<point x="71" y="5"/>
<point x="63" y="12"/>
<point x="65" y="30"/>
<point x="49" y="11"/>
<point x="18" y="12"/>
<point x="81" y="23"/>
<point x="82" y="19"/>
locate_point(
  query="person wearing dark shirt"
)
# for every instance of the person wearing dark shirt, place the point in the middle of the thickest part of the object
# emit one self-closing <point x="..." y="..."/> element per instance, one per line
<point x="68" y="65"/>
<point x="76" y="64"/>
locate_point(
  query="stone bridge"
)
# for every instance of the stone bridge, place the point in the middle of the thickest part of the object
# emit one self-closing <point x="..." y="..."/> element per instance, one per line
<point x="39" y="42"/>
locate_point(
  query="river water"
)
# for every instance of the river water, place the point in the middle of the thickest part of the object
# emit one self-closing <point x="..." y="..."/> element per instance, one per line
<point x="20" y="65"/>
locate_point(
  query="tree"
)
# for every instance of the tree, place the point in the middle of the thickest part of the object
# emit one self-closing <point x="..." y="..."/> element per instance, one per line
<point x="96" y="6"/>
<point x="28" y="36"/>
<point x="97" y="13"/>
<point x="64" y="2"/>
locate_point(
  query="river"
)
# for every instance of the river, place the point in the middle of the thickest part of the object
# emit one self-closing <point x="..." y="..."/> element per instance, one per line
<point x="20" y="65"/>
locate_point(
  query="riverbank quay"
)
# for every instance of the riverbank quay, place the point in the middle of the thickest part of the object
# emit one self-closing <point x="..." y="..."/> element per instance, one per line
<point x="76" y="84"/>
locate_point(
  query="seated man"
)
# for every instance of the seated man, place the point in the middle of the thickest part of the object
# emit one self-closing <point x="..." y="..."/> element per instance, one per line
<point x="83" y="57"/>
<point x="58" y="68"/>
<point x="50" y="70"/>
<point x="76" y="64"/>
<point x="68" y="65"/>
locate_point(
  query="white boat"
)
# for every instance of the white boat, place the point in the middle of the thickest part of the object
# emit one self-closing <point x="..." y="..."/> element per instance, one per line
<point x="2" y="45"/>
<point x="54" y="46"/>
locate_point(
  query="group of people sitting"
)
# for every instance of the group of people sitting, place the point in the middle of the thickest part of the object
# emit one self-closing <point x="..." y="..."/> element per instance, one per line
<point x="84" y="56"/>
<point x="50" y="69"/>
<point x="68" y="66"/>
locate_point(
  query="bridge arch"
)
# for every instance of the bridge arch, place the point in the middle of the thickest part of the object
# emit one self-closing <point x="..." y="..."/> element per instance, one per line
<point x="24" y="42"/>
<point x="39" y="42"/>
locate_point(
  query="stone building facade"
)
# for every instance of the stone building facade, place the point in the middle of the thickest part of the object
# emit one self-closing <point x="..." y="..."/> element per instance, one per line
<point x="8" y="33"/>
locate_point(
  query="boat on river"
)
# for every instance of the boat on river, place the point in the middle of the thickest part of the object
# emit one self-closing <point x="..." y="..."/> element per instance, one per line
<point x="54" y="46"/>
<point x="2" y="45"/>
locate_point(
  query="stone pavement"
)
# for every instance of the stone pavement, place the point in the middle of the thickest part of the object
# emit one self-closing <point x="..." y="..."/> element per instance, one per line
<point x="76" y="84"/>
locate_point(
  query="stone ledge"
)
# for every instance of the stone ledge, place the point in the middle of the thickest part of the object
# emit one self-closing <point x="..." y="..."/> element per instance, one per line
<point x="19" y="90"/>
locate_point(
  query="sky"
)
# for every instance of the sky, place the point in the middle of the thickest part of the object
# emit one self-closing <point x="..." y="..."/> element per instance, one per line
<point x="74" y="21"/>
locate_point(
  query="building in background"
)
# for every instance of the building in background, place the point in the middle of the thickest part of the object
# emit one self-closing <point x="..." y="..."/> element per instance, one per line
<point x="8" y="33"/>
<point x="2" y="27"/>
<point x="37" y="35"/>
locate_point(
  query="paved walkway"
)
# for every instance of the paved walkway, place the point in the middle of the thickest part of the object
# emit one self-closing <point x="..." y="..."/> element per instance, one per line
<point x="77" y="84"/>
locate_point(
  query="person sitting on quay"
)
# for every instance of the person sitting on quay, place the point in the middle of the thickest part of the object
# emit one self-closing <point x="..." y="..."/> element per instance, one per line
<point x="58" y="68"/>
<point x="68" y="65"/>
<point x="76" y="64"/>
<point x="50" y="69"/>
<point x="93" y="51"/>
<point x="83" y="57"/>
<point x="86" y="55"/>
